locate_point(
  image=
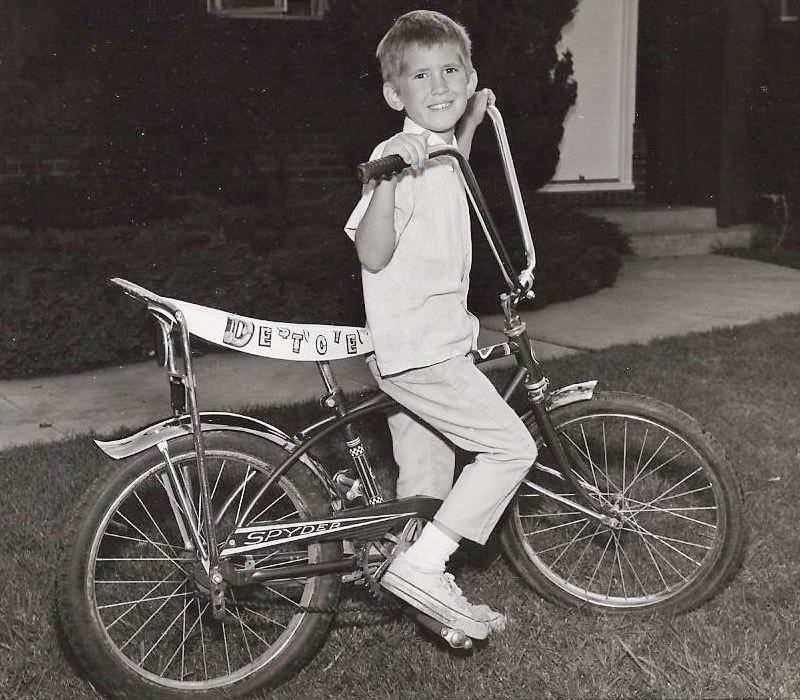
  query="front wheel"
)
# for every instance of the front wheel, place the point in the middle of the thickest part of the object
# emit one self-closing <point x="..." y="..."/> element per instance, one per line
<point x="134" y="598"/>
<point x="671" y="489"/>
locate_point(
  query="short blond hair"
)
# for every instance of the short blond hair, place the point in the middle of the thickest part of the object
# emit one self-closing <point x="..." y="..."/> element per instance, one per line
<point x="424" y="28"/>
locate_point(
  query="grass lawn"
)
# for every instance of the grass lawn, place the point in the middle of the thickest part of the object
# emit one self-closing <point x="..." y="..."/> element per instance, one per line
<point x="743" y="383"/>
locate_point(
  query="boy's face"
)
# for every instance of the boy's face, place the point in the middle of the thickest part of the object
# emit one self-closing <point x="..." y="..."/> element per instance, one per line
<point x="433" y="87"/>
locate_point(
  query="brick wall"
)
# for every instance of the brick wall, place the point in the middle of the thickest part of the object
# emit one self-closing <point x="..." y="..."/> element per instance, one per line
<point x="302" y="166"/>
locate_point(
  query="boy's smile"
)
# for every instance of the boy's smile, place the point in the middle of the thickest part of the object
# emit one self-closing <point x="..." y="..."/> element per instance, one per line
<point x="433" y="87"/>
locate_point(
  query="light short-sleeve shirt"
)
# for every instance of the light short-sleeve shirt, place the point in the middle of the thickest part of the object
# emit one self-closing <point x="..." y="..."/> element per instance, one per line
<point x="416" y="306"/>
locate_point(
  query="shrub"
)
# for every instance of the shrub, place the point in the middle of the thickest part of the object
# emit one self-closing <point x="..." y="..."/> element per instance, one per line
<point x="60" y="315"/>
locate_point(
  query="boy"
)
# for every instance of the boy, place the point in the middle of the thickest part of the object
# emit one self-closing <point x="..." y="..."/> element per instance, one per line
<point x="412" y="236"/>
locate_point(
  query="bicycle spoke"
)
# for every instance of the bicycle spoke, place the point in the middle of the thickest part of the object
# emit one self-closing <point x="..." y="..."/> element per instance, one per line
<point x="151" y="593"/>
<point x="223" y="511"/>
<point x="200" y="614"/>
<point x="147" y="621"/>
<point x="271" y="506"/>
<point x="280" y="595"/>
<point x="589" y="540"/>
<point x="177" y="510"/>
<point x="566" y="545"/>
<point x="227" y="651"/>
<point x="624" y="553"/>
<point x="678" y="513"/>
<point x="157" y="546"/>
<point x="242" y="626"/>
<point x="181" y="644"/>
<point x="241" y="496"/>
<point x="138" y="601"/>
<point x="551" y="528"/>
<point x="667" y="540"/>
<point x="672" y="488"/>
<point x="217" y="480"/>
<point x="166" y="579"/>
<point x="265" y="617"/>
<point x="152" y="520"/>
<point x="664" y="559"/>
<point x="617" y="547"/>
<point x="659" y="488"/>
<point x="164" y="634"/>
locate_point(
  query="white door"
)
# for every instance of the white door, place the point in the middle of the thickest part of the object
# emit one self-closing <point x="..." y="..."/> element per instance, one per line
<point x="597" y="148"/>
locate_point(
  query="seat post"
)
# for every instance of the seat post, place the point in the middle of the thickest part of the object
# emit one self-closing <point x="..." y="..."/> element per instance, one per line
<point x="326" y="373"/>
<point x="334" y="397"/>
<point x="335" y="400"/>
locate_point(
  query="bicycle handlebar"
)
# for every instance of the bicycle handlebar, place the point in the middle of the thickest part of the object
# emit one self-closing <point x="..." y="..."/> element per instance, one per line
<point x="380" y="168"/>
<point x="519" y="283"/>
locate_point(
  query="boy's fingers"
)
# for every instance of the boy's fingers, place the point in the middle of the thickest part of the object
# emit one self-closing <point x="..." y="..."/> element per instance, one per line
<point x="421" y="148"/>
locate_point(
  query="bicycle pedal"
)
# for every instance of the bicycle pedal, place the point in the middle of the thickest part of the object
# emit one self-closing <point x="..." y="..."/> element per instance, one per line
<point x="455" y="638"/>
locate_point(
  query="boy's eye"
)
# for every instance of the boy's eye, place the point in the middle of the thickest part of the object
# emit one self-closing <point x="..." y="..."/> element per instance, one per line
<point x="418" y="76"/>
<point x="451" y="69"/>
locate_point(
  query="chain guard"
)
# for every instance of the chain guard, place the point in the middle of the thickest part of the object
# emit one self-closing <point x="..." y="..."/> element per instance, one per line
<point x="370" y="575"/>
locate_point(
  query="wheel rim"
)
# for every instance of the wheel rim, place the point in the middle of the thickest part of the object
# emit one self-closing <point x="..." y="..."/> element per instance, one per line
<point x="661" y="489"/>
<point x="148" y="593"/>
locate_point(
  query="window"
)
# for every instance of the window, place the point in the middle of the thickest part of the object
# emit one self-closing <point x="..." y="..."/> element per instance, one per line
<point x="790" y="10"/>
<point x="268" y="9"/>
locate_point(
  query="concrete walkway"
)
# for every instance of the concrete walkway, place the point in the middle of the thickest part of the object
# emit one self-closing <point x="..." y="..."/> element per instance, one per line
<point x="653" y="298"/>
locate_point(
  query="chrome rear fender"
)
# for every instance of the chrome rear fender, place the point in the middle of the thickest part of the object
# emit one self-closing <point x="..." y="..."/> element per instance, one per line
<point x="173" y="428"/>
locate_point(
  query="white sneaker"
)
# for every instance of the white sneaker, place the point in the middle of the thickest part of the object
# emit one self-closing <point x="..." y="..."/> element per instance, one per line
<point x="436" y="594"/>
<point x="496" y="620"/>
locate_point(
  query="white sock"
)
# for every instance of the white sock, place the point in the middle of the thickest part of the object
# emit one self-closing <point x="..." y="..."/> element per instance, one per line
<point x="432" y="549"/>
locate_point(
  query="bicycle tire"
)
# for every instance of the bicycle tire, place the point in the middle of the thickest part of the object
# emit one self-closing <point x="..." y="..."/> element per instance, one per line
<point x="131" y="599"/>
<point x="679" y="499"/>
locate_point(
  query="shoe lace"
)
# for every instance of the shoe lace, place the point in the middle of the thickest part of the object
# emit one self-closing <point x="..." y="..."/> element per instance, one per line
<point x="482" y="609"/>
<point x="452" y="586"/>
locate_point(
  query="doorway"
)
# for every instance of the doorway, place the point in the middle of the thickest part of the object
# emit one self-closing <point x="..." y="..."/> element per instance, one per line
<point x="679" y="99"/>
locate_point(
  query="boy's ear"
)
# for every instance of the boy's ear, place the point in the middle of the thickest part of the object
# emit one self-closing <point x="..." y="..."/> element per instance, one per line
<point x="472" y="83"/>
<point x="392" y="97"/>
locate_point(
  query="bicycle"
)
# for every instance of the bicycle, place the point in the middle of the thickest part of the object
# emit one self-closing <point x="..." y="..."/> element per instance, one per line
<point x="211" y="561"/>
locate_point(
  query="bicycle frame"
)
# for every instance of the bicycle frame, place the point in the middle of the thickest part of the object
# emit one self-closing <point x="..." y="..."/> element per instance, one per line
<point x="354" y="523"/>
<point x="378" y="516"/>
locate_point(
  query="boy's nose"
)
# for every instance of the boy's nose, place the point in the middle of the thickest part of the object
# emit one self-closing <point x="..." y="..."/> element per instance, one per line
<point x="438" y="85"/>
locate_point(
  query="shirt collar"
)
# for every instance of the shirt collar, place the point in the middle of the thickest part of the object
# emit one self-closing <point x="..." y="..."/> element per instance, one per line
<point x="411" y="127"/>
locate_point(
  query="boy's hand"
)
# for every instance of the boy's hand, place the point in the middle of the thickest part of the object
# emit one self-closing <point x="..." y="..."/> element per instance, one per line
<point x="477" y="106"/>
<point x="412" y="148"/>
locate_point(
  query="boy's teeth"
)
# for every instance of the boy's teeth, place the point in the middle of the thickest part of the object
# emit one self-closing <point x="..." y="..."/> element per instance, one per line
<point x="440" y="106"/>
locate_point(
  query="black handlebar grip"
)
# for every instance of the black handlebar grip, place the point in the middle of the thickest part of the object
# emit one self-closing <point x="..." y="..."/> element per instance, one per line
<point x="380" y="168"/>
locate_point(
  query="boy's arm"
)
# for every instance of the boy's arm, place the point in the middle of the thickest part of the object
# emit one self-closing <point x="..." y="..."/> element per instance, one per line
<point x="473" y="116"/>
<point x="376" y="237"/>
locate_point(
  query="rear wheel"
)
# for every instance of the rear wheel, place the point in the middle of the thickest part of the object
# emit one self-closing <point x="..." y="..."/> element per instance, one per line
<point x="666" y="480"/>
<point x="134" y="597"/>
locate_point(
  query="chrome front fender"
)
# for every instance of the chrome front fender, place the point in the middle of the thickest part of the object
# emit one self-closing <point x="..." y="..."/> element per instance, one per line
<point x="571" y="393"/>
<point x="172" y="428"/>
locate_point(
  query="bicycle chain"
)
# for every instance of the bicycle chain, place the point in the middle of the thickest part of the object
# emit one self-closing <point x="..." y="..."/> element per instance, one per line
<point x="373" y="606"/>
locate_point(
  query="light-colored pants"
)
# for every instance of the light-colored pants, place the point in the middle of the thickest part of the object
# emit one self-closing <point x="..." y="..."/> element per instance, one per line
<point x="457" y="405"/>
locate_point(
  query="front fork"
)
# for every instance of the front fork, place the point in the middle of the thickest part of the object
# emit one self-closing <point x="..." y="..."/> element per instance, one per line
<point x="536" y="385"/>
